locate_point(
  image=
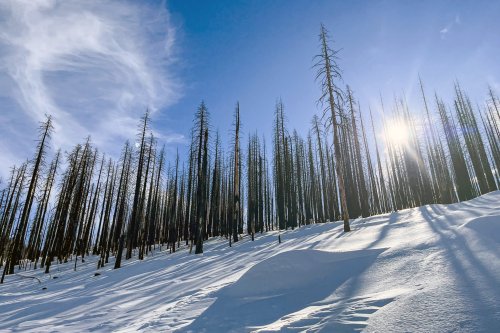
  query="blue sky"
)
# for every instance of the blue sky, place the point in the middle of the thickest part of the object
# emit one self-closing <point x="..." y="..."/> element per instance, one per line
<point x="97" y="65"/>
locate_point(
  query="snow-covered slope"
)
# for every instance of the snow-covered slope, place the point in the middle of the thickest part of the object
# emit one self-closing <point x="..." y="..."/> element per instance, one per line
<point x="429" y="269"/>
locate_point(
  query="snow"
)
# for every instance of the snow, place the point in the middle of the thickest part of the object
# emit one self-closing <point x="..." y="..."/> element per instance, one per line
<point x="429" y="269"/>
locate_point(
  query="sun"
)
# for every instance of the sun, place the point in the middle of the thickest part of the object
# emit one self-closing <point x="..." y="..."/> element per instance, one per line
<point x="397" y="133"/>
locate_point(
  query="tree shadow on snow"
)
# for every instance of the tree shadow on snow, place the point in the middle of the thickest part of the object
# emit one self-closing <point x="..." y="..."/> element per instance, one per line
<point x="472" y="274"/>
<point x="282" y="284"/>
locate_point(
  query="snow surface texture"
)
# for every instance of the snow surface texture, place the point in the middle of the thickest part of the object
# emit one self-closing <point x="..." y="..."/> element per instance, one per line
<point x="430" y="269"/>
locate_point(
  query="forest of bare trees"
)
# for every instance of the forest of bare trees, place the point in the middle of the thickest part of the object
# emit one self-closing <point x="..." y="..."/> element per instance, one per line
<point x="64" y="206"/>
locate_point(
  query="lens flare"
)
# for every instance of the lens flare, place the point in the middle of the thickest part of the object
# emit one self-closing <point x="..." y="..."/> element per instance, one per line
<point x="397" y="133"/>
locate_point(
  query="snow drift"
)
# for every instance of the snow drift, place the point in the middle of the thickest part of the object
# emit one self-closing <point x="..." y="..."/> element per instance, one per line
<point x="429" y="269"/>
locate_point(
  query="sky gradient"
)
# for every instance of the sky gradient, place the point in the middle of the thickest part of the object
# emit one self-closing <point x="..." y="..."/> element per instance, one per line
<point x="96" y="66"/>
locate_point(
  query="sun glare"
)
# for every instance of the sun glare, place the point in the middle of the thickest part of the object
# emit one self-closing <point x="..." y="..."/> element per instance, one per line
<point x="397" y="133"/>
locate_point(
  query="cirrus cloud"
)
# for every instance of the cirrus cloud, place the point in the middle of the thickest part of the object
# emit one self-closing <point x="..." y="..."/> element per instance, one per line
<point x="95" y="66"/>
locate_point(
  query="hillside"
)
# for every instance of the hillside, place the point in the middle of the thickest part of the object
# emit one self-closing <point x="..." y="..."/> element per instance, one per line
<point x="429" y="269"/>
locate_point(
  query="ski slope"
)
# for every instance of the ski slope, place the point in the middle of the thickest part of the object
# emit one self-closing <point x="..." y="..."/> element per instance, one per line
<point x="429" y="269"/>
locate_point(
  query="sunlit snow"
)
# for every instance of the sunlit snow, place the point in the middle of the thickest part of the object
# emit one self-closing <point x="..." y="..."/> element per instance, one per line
<point x="430" y="269"/>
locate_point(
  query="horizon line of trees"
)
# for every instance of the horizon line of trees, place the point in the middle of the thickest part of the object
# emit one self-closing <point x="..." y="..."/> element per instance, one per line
<point x="340" y="171"/>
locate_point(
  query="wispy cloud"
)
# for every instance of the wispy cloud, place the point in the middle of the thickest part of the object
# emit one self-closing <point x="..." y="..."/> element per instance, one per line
<point x="94" y="65"/>
<point x="495" y="85"/>
<point x="456" y="21"/>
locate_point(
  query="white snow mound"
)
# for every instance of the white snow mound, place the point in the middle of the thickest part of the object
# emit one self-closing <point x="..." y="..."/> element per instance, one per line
<point x="434" y="268"/>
